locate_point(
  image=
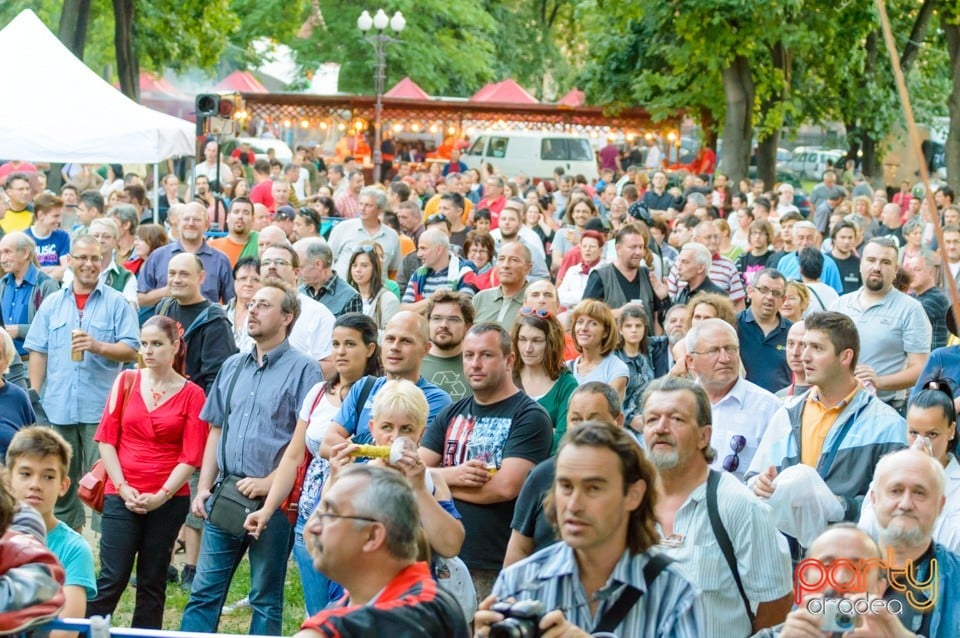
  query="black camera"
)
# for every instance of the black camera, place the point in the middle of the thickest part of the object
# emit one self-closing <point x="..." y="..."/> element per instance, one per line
<point x="521" y="620"/>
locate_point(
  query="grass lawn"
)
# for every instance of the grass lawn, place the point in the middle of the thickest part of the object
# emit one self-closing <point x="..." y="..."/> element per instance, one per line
<point x="235" y="623"/>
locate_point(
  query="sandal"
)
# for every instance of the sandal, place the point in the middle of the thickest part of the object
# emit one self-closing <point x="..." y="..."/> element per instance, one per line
<point x="180" y="547"/>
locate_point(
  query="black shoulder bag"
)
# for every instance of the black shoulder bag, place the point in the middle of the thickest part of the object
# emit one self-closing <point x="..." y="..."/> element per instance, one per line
<point x="229" y="507"/>
<point x="723" y="539"/>
<point x="612" y="618"/>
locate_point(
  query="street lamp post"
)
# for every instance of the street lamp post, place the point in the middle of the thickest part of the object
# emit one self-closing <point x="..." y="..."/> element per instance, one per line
<point x="379" y="40"/>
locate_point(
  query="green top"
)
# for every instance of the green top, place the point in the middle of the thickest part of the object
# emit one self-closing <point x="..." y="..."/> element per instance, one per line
<point x="555" y="403"/>
<point x="393" y="287"/>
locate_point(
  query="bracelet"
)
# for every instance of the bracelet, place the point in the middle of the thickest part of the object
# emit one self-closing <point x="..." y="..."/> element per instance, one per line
<point x="119" y="486"/>
<point x="166" y="493"/>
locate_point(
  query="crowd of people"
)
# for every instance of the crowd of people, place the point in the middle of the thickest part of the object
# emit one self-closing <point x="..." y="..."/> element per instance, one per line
<point x="464" y="400"/>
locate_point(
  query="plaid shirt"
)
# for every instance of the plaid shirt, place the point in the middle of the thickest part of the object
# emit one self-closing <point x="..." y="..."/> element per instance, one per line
<point x="337" y="295"/>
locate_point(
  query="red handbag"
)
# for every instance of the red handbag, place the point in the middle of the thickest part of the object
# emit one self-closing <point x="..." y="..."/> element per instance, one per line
<point x="91" y="486"/>
<point x="291" y="505"/>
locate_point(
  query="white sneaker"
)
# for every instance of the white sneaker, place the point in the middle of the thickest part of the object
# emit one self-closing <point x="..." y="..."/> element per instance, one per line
<point x="237" y="606"/>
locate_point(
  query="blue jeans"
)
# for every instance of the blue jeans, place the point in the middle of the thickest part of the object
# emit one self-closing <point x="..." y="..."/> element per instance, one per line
<point x="315" y="585"/>
<point x="220" y="553"/>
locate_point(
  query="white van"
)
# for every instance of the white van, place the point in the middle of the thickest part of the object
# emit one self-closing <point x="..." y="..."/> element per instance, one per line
<point x="534" y="154"/>
<point x="810" y="163"/>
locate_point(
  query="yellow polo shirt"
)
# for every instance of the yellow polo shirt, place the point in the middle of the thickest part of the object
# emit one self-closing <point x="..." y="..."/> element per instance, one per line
<point x="815" y="424"/>
<point x="15" y="221"/>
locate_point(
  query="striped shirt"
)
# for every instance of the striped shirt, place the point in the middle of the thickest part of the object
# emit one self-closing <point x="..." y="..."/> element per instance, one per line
<point x="763" y="558"/>
<point x="672" y="606"/>
<point x="723" y="273"/>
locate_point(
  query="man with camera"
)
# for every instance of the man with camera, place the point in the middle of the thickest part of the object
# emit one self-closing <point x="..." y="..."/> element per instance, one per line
<point x="365" y="535"/>
<point x="602" y="577"/>
<point x="252" y="409"/>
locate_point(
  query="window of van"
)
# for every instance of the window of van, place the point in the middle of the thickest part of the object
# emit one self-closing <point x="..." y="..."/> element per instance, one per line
<point x="498" y="147"/>
<point x="564" y="149"/>
<point x="477" y="147"/>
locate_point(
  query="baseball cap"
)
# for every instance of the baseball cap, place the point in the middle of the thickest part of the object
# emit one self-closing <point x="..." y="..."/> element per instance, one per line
<point x="285" y="213"/>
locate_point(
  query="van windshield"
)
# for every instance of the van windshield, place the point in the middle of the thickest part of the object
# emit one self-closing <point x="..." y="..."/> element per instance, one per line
<point x="477" y="147"/>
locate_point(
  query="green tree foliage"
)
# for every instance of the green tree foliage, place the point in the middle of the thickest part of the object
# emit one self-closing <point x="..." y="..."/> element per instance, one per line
<point x="447" y="48"/>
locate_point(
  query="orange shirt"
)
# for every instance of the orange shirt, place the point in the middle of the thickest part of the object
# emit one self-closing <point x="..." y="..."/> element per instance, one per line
<point x="229" y="248"/>
<point x="815" y="425"/>
<point x="406" y="245"/>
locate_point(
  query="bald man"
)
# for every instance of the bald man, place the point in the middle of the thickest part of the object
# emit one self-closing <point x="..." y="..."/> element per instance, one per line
<point x="406" y="341"/>
<point x="204" y="325"/>
<point x="270" y="236"/>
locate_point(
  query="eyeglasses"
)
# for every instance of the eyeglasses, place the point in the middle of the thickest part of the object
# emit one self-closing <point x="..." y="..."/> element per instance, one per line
<point x="764" y="291"/>
<point x="363" y="249"/>
<point x="438" y="218"/>
<point x="732" y="461"/>
<point x="714" y="353"/>
<point x="258" y="306"/>
<point x="543" y="313"/>
<point x="275" y="262"/>
<point x="323" y="515"/>
<point x="446" y="319"/>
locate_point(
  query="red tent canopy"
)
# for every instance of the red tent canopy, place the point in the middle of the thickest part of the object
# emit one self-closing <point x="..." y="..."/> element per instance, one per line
<point x="507" y="91"/>
<point x="572" y="99"/>
<point x="241" y="81"/>
<point x="154" y="86"/>
<point x="407" y="89"/>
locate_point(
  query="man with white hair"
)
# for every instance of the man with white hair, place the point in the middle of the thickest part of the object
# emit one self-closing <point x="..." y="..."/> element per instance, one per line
<point x="441" y="270"/>
<point x="722" y="271"/>
<point x="366" y="227"/>
<point x="740" y="409"/>
<point x="908" y="495"/>
<point x="806" y="235"/>
<point x="321" y="282"/>
<point x="692" y="266"/>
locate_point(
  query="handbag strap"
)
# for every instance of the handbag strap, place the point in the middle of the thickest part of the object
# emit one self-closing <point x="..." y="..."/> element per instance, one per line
<point x="723" y="538"/>
<point x="612" y="618"/>
<point x="226" y="415"/>
<point x="126" y="385"/>
<point x="368" y="382"/>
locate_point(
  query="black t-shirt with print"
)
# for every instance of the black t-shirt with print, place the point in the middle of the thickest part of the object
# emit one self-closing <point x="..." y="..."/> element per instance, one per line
<point x="517" y="427"/>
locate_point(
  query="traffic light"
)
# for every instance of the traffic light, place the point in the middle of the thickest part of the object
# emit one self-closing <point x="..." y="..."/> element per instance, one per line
<point x="215" y="112"/>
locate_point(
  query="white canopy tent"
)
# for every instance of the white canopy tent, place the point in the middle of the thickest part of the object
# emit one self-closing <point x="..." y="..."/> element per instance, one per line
<point x="64" y="112"/>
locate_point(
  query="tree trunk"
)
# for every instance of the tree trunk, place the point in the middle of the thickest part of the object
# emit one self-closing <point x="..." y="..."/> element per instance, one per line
<point x="853" y="140"/>
<point x="128" y="65"/>
<point x="740" y="92"/>
<point x="74" y="18"/>
<point x="952" y="34"/>
<point x="708" y="124"/>
<point x="767" y="160"/>
<point x="767" y="147"/>
<point x="870" y="164"/>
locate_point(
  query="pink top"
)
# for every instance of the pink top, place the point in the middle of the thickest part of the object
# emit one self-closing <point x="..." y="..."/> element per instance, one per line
<point x="152" y="443"/>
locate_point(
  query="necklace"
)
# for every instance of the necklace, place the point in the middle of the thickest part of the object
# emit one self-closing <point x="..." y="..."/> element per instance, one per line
<point x="157" y="394"/>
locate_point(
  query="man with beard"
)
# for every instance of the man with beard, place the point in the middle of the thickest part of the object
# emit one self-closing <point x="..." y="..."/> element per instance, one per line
<point x="763" y="332"/>
<point x="241" y="240"/>
<point x="908" y="495"/>
<point x="837" y="426"/>
<point x="486" y="445"/>
<point x="450" y="315"/>
<point x="710" y="523"/>
<point x="895" y="334"/>
<point x="627" y="279"/>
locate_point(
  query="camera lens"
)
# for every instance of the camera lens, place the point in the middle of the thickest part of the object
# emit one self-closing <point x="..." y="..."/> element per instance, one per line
<point x="845" y="621"/>
<point x="514" y="628"/>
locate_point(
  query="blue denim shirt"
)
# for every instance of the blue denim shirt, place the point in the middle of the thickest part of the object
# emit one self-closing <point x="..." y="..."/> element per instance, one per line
<point x="76" y="391"/>
<point x="263" y="407"/>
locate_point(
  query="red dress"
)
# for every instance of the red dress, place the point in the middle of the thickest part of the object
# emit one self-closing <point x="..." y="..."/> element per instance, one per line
<point x="151" y="443"/>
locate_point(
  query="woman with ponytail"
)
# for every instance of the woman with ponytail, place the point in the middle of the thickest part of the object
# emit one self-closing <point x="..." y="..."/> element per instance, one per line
<point x="151" y="440"/>
<point x="932" y="427"/>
